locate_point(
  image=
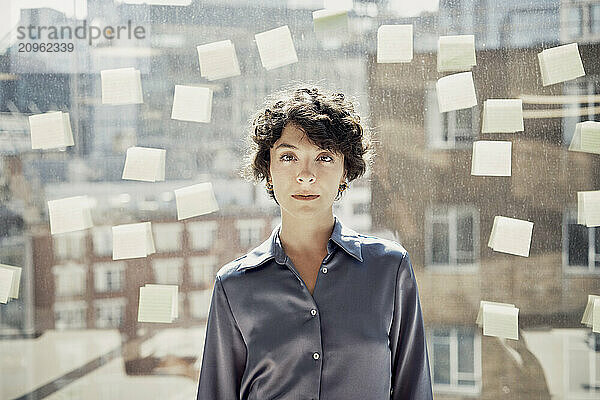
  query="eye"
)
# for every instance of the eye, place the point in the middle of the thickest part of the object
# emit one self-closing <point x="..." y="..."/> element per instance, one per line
<point x="326" y="158"/>
<point x="286" y="157"/>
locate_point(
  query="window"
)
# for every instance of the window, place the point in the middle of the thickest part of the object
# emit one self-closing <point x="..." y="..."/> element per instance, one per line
<point x="109" y="277"/>
<point x="583" y="372"/>
<point x="110" y="312"/>
<point x="203" y="270"/>
<point x="202" y="234"/>
<point x="70" y="315"/>
<point x="167" y="237"/>
<point x="69" y="279"/>
<point x="581" y="245"/>
<point x="200" y="303"/>
<point x="455" y="357"/>
<point x="585" y="109"/>
<point x="452" y="236"/>
<point x="595" y="19"/>
<point x="573" y="22"/>
<point x="102" y="240"/>
<point x="70" y="245"/>
<point x="250" y="231"/>
<point x="168" y="271"/>
<point x="449" y="130"/>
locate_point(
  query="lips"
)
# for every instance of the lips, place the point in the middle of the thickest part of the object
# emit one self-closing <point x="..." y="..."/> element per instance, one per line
<point x="305" y="197"/>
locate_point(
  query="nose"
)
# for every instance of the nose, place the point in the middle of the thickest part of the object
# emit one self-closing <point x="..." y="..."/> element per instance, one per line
<point x="305" y="177"/>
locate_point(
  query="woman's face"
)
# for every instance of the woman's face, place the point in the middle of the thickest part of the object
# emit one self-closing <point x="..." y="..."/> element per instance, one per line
<point x="299" y="167"/>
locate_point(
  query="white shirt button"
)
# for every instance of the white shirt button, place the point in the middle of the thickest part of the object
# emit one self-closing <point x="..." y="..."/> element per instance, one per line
<point x="316" y="356"/>
<point x="324" y="270"/>
<point x="313" y="312"/>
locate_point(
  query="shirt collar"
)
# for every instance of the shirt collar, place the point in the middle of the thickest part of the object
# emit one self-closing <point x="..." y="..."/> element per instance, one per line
<point x="343" y="236"/>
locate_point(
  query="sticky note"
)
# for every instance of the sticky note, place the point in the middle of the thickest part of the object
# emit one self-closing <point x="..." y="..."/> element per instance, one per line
<point x="156" y="304"/>
<point x="395" y="43"/>
<point x="588" y="313"/>
<point x="586" y="138"/>
<point x="455" y="92"/>
<point x="218" y="60"/>
<point x="502" y="116"/>
<point x="479" y="320"/>
<point x="596" y="317"/>
<point x="121" y="86"/>
<point x="16" y="282"/>
<point x="195" y="200"/>
<point x="50" y="130"/>
<point x="512" y="236"/>
<point x="175" y="297"/>
<point x="69" y="214"/>
<point x="501" y="321"/>
<point x="456" y="53"/>
<point x="6" y="282"/>
<point x="588" y="208"/>
<point x="491" y="158"/>
<point x="328" y="20"/>
<point x="144" y="164"/>
<point x="560" y="64"/>
<point x="276" y="48"/>
<point x="132" y="241"/>
<point x="191" y="103"/>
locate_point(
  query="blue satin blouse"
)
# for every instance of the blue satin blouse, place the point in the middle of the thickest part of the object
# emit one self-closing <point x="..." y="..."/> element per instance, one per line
<point x="358" y="336"/>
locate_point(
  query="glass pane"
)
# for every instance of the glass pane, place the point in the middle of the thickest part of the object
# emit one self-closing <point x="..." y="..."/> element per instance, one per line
<point x="464" y="238"/>
<point x="440" y="247"/>
<point x="578" y="245"/>
<point x="466" y="355"/>
<point x="579" y="371"/>
<point x="441" y="364"/>
<point x="595" y="18"/>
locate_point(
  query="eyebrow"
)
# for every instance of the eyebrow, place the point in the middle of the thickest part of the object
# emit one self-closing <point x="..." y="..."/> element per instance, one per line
<point x="287" y="145"/>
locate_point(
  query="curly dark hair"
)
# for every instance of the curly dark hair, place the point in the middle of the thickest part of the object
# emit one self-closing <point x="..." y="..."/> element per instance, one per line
<point x="327" y="118"/>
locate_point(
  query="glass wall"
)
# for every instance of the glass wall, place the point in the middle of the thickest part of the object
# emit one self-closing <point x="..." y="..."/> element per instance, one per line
<point x="73" y="331"/>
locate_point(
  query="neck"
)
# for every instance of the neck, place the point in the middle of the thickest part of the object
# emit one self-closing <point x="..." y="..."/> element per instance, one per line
<point x="301" y="235"/>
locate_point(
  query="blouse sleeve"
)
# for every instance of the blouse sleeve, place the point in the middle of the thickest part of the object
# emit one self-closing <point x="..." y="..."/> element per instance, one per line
<point x="224" y="356"/>
<point x="410" y="363"/>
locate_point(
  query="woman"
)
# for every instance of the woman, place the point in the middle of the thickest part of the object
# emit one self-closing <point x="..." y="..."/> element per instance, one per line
<point x="317" y="311"/>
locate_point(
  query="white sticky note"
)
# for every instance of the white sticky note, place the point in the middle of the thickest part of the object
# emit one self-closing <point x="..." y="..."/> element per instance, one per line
<point x="121" y="86"/>
<point x="512" y="236"/>
<point x="596" y="317"/>
<point x="456" y="53"/>
<point x="155" y="304"/>
<point x="395" y="43"/>
<point x="501" y="321"/>
<point x="175" y="297"/>
<point x="192" y="103"/>
<point x="50" y="130"/>
<point x="502" y="116"/>
<point x="16" y="282"/>
<point x="329" y="20"/>
<point x="195" y="200"/>
<point x="455" y="92"/>
<point x="69" y="214"/>
<point x="132" y="241"/>
<point x="589" y="208"/>
<point x="479" y="320"/>
<point x="586" y="138"/>
<point x="6" y="282"/>
<point x="218" y="60"/>
<point x="491" y="158"/>
<point x="145" y="164"/>
<point x="276" y="48"/>
<point x="560" y="64"/>
<point x="588" y="313"/>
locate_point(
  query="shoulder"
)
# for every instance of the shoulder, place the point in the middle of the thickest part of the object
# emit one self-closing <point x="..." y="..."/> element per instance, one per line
<point x="376" y="247"/>
<point x="230" y="269"/>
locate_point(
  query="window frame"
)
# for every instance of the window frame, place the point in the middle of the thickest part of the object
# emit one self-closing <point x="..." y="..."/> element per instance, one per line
<point x="454" y="387"/>
<point x="452" y="213"/>
<point x="570" y="214"/>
